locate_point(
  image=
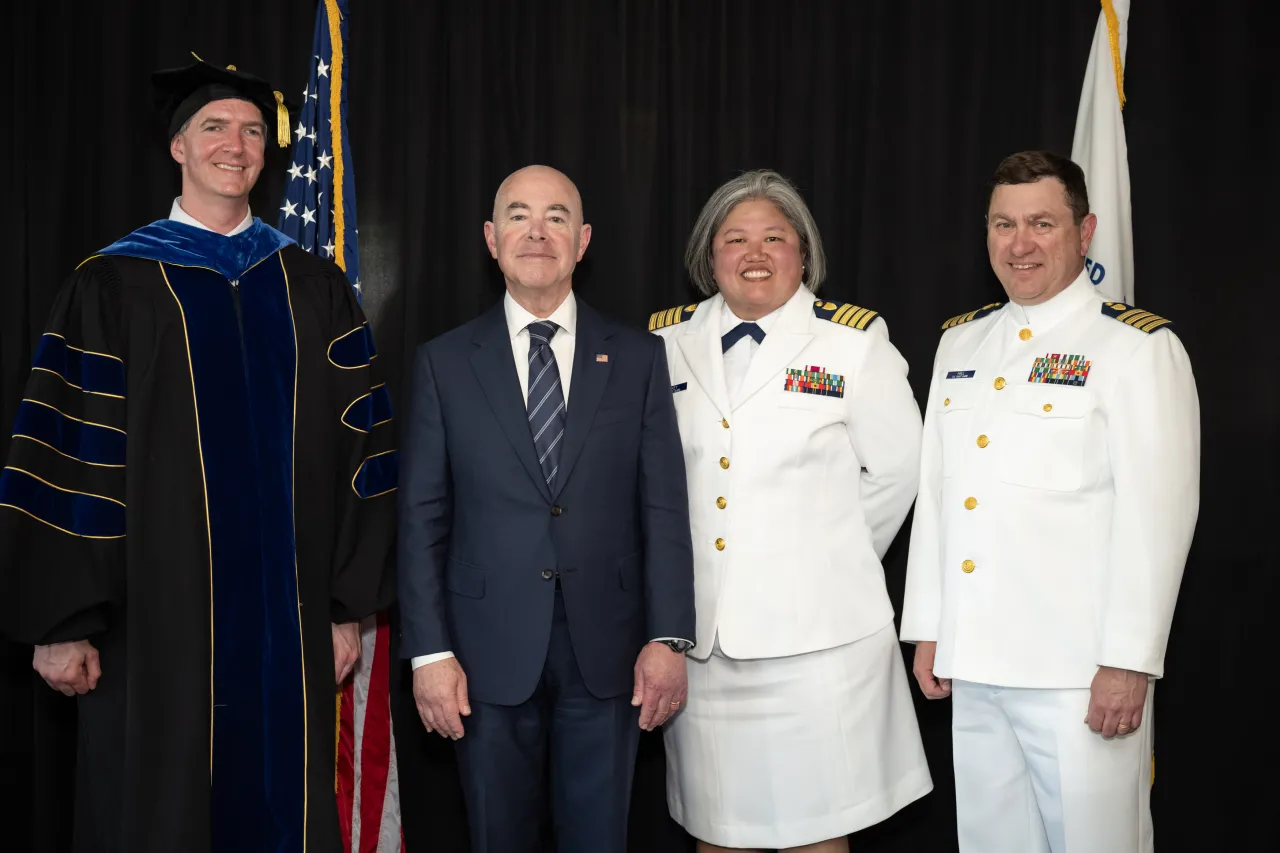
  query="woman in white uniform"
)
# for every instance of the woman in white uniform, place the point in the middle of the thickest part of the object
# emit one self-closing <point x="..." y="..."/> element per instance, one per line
<point x="801" y="443"/>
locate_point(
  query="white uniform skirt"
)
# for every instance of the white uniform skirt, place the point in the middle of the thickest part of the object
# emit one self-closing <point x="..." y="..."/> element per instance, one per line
<point x="783" y="752"/>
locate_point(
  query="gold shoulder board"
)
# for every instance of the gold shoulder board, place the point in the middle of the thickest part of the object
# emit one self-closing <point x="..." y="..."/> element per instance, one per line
<point x="845" y="314"/>
<point x="960" y="319"/>
<point x="1143" y="321"/>
<point x="671" y="316"/>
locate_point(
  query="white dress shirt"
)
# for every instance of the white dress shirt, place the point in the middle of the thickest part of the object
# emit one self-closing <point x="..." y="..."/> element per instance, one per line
<point x="737" y="359"/>
<point x="562" y="343"/>
<point x="177" y="214"/>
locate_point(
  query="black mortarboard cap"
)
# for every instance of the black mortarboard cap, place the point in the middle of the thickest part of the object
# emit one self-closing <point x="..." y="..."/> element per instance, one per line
<point x="181" y="92"/>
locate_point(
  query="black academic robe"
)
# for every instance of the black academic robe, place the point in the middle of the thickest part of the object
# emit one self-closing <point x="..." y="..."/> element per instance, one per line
<point x="200" y="482"/>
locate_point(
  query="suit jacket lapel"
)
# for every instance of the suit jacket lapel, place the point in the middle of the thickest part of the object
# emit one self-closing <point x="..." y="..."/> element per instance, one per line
<point x="495" y="368"/>
<point x="788" y="338"/>
<point x="586" y="388"/>
<point x="700" y="344"/>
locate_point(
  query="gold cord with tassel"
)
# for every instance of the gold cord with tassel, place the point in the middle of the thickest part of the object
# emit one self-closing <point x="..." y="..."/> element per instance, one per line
<point x="1113" y="35"/>
<point x="282" y="121"/>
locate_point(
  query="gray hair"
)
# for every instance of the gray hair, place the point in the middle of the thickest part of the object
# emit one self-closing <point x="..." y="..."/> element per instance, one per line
<point x="757" y="185"/>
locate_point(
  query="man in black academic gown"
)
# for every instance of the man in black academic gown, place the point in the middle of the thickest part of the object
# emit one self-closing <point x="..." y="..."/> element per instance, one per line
<point x="195" y="508"/>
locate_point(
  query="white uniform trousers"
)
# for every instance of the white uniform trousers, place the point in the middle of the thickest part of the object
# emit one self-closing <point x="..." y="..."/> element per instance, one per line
<point x="1031" y="777"/>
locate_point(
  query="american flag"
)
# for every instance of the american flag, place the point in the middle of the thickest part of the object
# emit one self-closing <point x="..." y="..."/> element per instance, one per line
<point x="319" y="212"/>
<point x="319" y="208"/>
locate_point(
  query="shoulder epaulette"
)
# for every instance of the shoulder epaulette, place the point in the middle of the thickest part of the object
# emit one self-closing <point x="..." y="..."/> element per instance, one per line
<point x="845" y="314"/>
<point x="972" y="315"/>
<point x="1143" y="321"/>
<point x="671" y="316"/>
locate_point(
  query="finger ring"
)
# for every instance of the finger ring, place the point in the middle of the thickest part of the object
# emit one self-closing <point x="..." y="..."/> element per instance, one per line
<point x="675" y="704"/>
<point x="1123" y="726"/>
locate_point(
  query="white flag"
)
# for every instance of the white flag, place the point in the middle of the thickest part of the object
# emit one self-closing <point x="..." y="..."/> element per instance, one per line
<point x="1100" y="149"/>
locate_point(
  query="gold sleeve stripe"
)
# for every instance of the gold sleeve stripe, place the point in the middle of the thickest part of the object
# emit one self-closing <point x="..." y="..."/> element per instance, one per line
<point x="59" y="488"/>
<point x="85" y="351"/>
<point x="68" y="455"/>
<point x="69" y="417"/>
<point x="75" y="386"/>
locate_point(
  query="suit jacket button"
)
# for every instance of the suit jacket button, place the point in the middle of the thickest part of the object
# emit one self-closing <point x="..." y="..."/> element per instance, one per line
<point x="724" y="462"/>
<point x="547" y="574"/>
<point x="556" y="510"/>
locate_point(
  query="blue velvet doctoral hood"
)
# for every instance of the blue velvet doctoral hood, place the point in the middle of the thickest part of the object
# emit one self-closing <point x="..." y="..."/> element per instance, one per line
<point x="172" y="242"/>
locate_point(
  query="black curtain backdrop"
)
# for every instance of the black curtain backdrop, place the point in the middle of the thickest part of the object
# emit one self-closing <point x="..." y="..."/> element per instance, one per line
<point x="889" y="116"/>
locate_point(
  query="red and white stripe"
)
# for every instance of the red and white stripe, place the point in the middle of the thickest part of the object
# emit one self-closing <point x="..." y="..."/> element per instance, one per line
<point x="367" y="783"/>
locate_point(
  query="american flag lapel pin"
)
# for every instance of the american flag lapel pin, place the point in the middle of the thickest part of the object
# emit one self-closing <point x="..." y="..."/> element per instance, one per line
<point x="602" y="358"/>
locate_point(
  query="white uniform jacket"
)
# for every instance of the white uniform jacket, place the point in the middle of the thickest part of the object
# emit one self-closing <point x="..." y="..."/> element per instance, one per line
<point x="1059" y="490"/>
<point x="796" y="491"/>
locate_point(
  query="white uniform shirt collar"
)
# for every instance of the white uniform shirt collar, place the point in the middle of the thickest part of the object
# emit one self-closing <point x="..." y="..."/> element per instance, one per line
<point x="1046" y="314"/>
<point x="565" y="316"/>
<point x="729" y="320"/>
<point x="177" y="214"/>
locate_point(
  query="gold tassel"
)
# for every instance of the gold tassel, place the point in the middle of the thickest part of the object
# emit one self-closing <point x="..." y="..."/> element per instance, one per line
<point x="1113" y="35"/>
<point x="282" y="121"/>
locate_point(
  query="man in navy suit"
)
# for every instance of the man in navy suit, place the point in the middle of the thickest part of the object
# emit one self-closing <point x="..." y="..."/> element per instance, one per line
<point x="546" y="570"/>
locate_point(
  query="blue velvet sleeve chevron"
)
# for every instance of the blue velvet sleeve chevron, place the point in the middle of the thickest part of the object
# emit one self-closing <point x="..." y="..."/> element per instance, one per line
<point x="354" y="349"/>
<point x="363" y="582"/>
<point x="377" y="475"/>
<point x="369" y="410"/>
<point x="67" y="456"/>
<point x="62" y="483"/>
<point x="90" y="372"/>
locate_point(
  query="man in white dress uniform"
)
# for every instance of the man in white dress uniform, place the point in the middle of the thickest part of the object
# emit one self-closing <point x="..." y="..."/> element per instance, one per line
<point x="801" y="445"/>
<point x="1058" y="494"/>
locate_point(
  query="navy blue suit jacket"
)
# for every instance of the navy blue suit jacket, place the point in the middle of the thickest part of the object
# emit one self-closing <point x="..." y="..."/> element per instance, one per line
<point x="482" y="537"/>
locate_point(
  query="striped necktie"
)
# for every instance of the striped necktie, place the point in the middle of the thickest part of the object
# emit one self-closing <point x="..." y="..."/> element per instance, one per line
<point x="546" y="399"/>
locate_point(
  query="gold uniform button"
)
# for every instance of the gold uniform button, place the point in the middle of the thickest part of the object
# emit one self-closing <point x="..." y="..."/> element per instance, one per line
<point x="983" y="441"/>
<point x="1025" y="334"/>
<point x="721" y="502"/>
<point x="724" y="462"/>
<point x="999" y="383"/>
<point x="967" y="566"/>
<point x="719" y="544"/>
<point x="970" y="503"/>
<point x="1048" y="407"/>
<point x="946" y="402"/>
<point x="724" y="423"/>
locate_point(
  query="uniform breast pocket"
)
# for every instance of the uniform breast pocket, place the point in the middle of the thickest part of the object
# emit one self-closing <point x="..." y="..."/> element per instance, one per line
<point x="1042" y="438"/>
<point x="813" y="409"/>
<point x="955" y="423"/>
